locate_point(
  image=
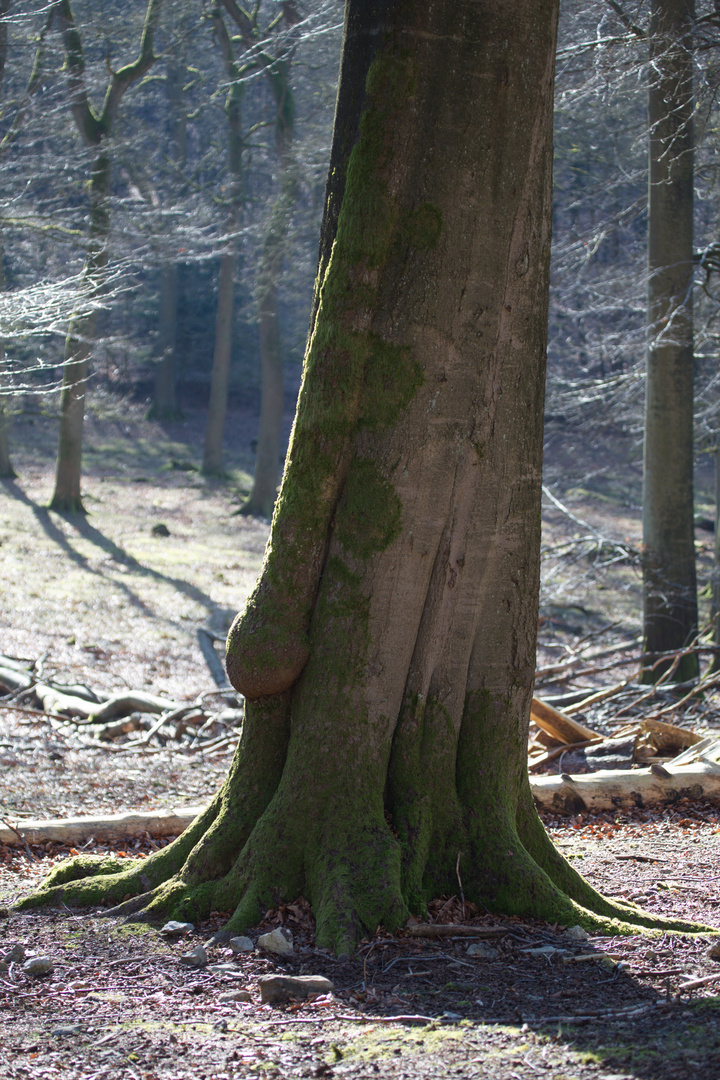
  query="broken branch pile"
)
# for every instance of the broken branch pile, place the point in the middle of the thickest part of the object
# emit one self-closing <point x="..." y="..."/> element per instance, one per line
<point x="128" y="721"/>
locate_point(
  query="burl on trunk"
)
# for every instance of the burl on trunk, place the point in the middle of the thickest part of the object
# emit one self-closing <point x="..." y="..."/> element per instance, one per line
<point x="387" y="653"/>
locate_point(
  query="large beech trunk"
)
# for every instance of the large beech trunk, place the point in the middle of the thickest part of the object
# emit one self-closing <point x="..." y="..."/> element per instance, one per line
<point x="388" y="651"/>
<point x="669" y="585"/>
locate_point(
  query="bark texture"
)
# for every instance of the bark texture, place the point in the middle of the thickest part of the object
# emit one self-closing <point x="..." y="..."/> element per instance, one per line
<point x="220" y="376"/>
<point x="388" y="652"/>
<point x="669" y="584"/>
<point x="95" y="129"/>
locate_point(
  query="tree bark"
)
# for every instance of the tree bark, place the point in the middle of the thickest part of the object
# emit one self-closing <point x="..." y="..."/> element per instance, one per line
<point x="217" y="406"/>
<point x="219" y="379"/>
<point x="669" y="584"/>
<point x="387" y="654"/>
<point x="164" y="406"/>
<point x="78" y="347"/>
<point x="95" y="129"/>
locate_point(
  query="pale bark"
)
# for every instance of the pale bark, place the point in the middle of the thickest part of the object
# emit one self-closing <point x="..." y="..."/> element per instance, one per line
<point x="387" y="654"/>
<point x="669" y="583"/>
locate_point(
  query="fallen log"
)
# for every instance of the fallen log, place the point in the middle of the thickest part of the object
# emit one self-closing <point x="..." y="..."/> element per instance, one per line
<point x="606" y="790"/>
<point x="612" y="789"/>
<point x="77" y="830"/>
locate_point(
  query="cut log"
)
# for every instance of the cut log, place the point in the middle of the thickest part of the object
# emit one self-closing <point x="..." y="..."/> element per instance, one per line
<point x="561" y="726"/>
<point x="77" y="830"/>
<point x="614" y="788"/>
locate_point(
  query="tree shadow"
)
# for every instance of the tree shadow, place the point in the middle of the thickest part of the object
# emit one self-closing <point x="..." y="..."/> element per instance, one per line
<point x="665" y="1040"/>
<point x="83" y="528"/>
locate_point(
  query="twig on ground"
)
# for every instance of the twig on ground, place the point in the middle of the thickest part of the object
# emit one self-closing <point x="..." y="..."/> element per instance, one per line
<point x="21" y="838"/>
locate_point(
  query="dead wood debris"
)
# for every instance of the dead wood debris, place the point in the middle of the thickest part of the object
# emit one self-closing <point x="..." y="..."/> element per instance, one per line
<point x="126" y="722"/>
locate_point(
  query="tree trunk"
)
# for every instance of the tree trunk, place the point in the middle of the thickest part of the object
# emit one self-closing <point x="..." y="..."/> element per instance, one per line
<point x="164" y="406"/>
<point x="669" y="585"/>
<point x="264" y="491"/>
<point x="78" y="348"/>
<point x="387" y="653"/>
<point x="6" y="470"/>
<point x="217" y="406"/>
<point x="715" y="577"/>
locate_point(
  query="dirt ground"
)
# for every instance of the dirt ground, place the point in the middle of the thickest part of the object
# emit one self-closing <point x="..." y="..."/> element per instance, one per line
<point x="104" y="601"/>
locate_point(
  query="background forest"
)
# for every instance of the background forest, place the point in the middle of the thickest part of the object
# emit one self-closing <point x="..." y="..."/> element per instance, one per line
<point x="188" y="282"/>
<point x="164" y="166"/>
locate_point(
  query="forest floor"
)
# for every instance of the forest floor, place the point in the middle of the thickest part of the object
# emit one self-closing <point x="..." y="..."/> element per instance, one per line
<point x="105" y="601"/>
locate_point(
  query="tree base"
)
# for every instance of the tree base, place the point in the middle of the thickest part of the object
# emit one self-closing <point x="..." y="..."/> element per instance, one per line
<point x="265" y="840"/>
<point x="67" y="505"/>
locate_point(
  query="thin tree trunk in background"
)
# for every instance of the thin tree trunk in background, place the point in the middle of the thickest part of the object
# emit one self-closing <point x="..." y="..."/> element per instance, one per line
<point x="669" y="582"/>
<point x="6" y="469"/>
<point x="715" y="579"/>
<point x="164" y="406"/>
<point x="95" y="129"/>
<point x="78" y="347"/>
<point x="272" y="405"/>
<point x="222" y="354"/>
<point x="217" y="406"/>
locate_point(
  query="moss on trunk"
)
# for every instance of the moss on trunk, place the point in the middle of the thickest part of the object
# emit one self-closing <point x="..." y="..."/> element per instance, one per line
<point x="388" y="651"/>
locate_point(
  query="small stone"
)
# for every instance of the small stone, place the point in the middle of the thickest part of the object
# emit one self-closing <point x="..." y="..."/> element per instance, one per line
<point x="38" y="965"/>
<point x="278" y="941"/>
<point x="283" y="987"/>
<point x="241" y="944"/>
<point x="486" y="952"/>
<point x="225" y="969"/>
<point x="176" y="929"/>
<point x="160" y="529"/>
<point x="15" y="955"/>
<point x="235" y="995"/>
<point x="577" y="933"/>
<point x="196" y="958"/>
<point x="714" y="952"/>
<point x="67" y="1029"/>
<point x="220" y="1025"/>
<point x="451" y="1018"/>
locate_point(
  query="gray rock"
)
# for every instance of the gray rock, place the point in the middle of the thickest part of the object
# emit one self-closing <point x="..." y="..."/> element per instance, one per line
<point x="278" y="941"/>
<point x="283" y="987"/>
<point x="235" y="995"/>
<point x="16" y="955"/>
<point x="67" y="1029"/>
<point x="225" y="969"/>
<point x="241" y="944"/>
<point x="196" y="958"/>
<point x="577" y="933"/>
<point x="480" y="949"/>
<point x="38" y="965"/>
<point x="176" y="929"/>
